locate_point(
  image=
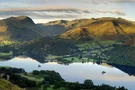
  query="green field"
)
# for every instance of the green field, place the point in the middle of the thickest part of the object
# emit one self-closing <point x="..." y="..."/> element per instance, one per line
<point x="37" y="78"/>
<point x="74" y="59"/>
<point x="52" y="57"/>
<point x="6" y="42"/>
<point x="4" y="55"/>
<point x="51" y="88"/>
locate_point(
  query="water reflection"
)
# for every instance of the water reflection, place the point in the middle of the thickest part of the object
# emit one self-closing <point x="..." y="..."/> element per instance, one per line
<point x="127" y="69"/>
<point x="115" y="76"/>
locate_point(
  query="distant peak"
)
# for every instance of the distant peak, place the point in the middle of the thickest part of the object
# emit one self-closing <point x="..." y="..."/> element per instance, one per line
<point x="19" y="18"/>
<point x="57" y="22"/>
<point x="22" y="17"/>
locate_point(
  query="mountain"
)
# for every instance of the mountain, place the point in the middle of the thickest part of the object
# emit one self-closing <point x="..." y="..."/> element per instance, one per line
<point x="54" y="28"/>
<point x="23" y="28"/>
<point x="102" y="29"/>
<point x="18" y="28"/>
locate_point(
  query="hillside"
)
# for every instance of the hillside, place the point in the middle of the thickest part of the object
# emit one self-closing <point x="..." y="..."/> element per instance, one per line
<point x="102" y="29"/>
<point x="52" y="30"/>
<point x="45" y="46"/>
<point x="6" y="85"/>
<point x="122" y="55"/>
<point x="18" y="28"/>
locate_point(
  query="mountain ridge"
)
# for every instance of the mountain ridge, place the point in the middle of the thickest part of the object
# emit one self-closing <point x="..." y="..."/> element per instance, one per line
<point x="105" y="29"/>
<point x="23" y="28"/>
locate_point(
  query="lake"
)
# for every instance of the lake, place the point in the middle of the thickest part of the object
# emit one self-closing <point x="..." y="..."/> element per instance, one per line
<point x="79" y="71"/>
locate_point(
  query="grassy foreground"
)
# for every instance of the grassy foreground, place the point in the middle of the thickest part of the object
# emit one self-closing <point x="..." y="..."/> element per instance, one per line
<point x="6" y="85"/>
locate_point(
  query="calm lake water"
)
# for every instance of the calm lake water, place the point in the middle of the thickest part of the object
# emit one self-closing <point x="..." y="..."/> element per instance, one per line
<point x="78" y="72"/>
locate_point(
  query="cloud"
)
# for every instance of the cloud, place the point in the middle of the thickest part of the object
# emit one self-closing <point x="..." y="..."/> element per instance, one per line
<point x="122" y="1"/>
<point x="118" y="12"/>
<point x="44" y="12"/>
<point x="112" y="12"/>
<point x="35" y="3"/>
<point x="55" y="12"/>
<point x="106" y="1"/>
<point x="49" y="9"/>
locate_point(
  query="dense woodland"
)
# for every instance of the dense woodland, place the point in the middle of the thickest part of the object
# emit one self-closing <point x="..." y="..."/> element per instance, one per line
<point x="122" y="55"/>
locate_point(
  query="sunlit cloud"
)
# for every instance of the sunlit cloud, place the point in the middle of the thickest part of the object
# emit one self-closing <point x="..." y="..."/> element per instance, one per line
<point x="49" y="9"/>
<point x="44" y="12"/>
<point x="112" y="12"/>
<point x="53" y="12"/>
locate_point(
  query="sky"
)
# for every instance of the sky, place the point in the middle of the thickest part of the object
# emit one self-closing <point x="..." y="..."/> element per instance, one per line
<point x="42" y="11"/>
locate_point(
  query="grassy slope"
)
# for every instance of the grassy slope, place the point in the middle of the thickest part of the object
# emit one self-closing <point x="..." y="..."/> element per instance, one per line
<point x="6" y="85"/>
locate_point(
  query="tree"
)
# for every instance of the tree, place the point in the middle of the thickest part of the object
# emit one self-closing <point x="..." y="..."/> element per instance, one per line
<point x="88" y="84"/>
<point x="72" y="59"/>
<point x="35" y="72"/>
<point x="121" y="88"/>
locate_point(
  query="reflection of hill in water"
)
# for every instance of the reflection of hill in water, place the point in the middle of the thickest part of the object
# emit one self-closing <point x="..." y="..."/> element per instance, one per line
<point x="42" y="60"/>
<point x="106" y="65"/>
<point x="127" y="69"/>
<point x="38" y="59"/>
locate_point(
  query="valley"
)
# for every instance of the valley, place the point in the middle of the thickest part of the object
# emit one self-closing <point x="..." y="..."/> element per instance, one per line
<point x="83" y="40"/>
